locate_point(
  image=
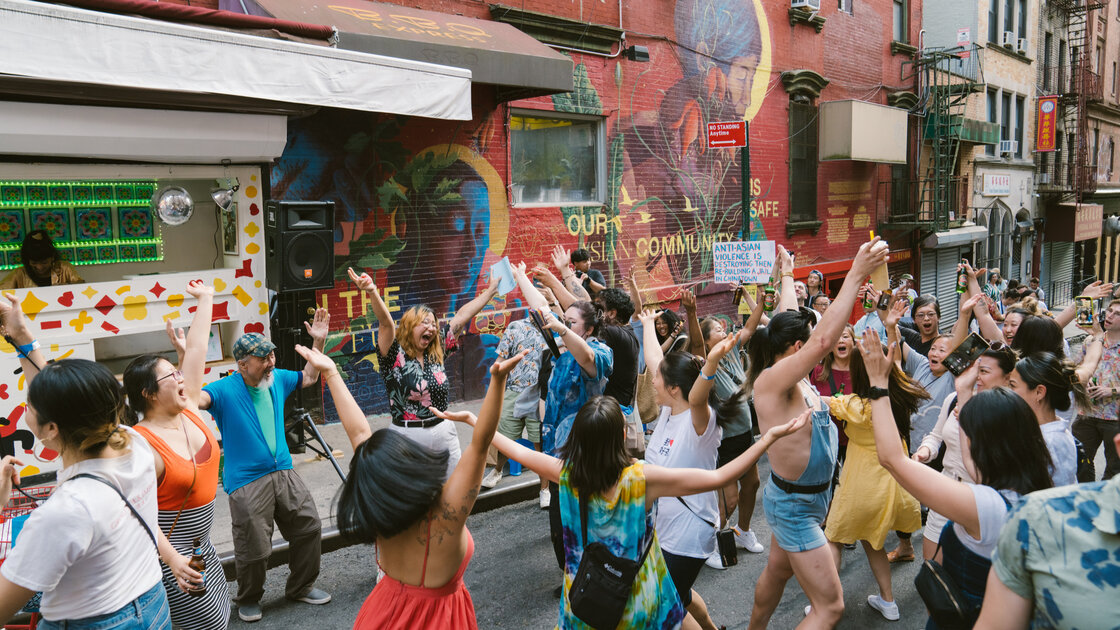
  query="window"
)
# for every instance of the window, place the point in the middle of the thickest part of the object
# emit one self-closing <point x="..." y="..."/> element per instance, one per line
<point x="1114" y="77"/>
<point x="1062" y="88"/>
<point x="1005" y="118"/>
<point x="845" y="6"/>
<point x="802" y="162"/>
<point x="557" y="158"/>
<point x="1009" y="15"/>
<point x="993" y="116"/>
<point x="993" y="21"/>
<point x="900" y="27"/>
<point x="1022" y="19"/>
<point x="1020" y="122"/>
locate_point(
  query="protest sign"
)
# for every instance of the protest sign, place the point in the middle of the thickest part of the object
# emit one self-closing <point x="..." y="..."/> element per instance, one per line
<point x="743" y="261"/>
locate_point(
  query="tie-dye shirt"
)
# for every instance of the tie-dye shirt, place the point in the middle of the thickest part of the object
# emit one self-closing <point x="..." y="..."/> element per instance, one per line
<point x="624" y="526"/>
<point x="1060" y="549"/>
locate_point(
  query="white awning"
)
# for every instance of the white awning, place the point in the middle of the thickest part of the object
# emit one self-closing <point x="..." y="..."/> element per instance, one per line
<point x="47" y="42"/>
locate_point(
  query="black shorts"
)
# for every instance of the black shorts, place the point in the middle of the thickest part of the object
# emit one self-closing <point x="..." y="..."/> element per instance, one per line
<point x="683" y="570"/>
<point x="734" y="446"/>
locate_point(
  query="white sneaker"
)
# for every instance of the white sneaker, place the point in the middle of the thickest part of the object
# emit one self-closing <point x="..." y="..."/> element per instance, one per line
<point x="546" y="499"/>
<point x="491" y="479"/>
<point x="747" y="540"/>
<point x="889" y="610"/>
<point x="714" y="561"/>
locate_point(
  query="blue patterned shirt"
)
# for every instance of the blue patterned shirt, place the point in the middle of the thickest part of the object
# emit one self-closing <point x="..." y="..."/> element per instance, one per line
<point x="1060" y="549"/>
<point x="569" y="388"/>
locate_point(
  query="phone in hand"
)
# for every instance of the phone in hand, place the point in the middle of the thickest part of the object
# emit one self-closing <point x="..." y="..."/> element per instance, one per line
<point x="963" y="355"/>
<point x="1084" y="311"/>
<point x="538" y="323"/>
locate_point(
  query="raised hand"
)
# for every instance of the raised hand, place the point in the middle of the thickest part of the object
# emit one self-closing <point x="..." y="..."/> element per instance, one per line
<point x="783" y="261"/>
<point x="561" y="258"/>
<point x="9" y="476"/>
<point x="688" y="300"/>
<point x="364" y="282"/>
<point x="1098" y="290"/>
<point x="647" y="316"/>
<point x="464" y="416"/>
<point x="503" y="368"/>
<point x="878" y="365"/>
<point x="897" y="310"/>
<point x="966" y="306"/>
<point x="519" y="268"/>
<point x="320" y="325"/>
<point x="553" y="324"/>
<point x="178" y="339"/>
<point x="870" y="256"/>
<point x="198" y="288"/>
<point x="720" y="350"/>
<point x="793" y="426"/>
<point x="316" y="359"/>
<point x="13" y="320"/>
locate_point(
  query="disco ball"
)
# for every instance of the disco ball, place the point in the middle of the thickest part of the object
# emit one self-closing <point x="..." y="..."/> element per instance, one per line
<point x="173" y="205"/>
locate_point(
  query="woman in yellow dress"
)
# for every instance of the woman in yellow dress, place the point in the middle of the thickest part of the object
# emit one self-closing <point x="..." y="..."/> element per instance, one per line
<point x="869" y="503"/>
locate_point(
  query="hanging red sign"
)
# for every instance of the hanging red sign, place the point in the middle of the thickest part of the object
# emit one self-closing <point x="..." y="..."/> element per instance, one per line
<point x="1045" y="139"/>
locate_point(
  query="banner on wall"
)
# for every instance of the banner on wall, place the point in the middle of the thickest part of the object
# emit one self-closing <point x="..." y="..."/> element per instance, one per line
<point x="743" y="261"/>
<point x="1045" y="139"/>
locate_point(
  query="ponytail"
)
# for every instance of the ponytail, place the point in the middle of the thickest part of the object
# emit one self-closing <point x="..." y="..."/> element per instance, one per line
<point x="785" y="329"/>
<point x="1059" y="377"/>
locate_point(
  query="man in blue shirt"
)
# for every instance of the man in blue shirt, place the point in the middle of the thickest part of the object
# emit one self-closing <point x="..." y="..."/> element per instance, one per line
<point x="248" y="406"/>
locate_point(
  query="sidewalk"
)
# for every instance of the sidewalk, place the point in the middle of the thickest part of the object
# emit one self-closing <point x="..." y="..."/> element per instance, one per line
<point x="324" y="483"/>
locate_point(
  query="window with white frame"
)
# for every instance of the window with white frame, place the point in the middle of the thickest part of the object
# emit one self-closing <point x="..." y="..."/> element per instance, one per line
<point x="557" y="159"/>
<point x="1008" y="110"/>
<point x="845" y="6"/>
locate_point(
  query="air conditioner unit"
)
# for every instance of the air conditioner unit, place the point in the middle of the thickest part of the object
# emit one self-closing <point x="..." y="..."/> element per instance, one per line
<point x="1022" y="47"/>
<point x="812" y="5"/>
<point x="1044" y="178"/>
<point x="1008" y="147"/>
<point x="1009" y="39"/>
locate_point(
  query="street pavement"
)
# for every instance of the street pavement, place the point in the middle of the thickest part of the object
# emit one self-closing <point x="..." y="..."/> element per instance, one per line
<point x="513" y="573"/>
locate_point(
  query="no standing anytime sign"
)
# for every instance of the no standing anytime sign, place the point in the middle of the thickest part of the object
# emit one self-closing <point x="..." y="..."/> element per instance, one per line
<point x="727" y="134"/>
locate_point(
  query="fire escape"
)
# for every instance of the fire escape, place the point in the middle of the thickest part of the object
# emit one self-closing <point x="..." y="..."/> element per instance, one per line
<point x="946" y="79"/>
<point x="1071" y="172"/>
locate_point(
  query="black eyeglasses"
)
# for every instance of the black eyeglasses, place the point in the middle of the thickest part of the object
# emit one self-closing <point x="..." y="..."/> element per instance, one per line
<point x="178" y="374"/>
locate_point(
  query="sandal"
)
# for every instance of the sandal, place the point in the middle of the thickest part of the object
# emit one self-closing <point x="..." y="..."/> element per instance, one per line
<point x="894" y="556"/>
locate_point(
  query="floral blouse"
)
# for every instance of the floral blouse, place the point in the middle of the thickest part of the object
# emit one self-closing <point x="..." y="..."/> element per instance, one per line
<point x="413" y="387"/>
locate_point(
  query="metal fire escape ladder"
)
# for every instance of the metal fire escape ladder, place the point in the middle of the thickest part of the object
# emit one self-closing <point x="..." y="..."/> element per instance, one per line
<point x="947" y="77"/>
<point x="1076" y="90"/>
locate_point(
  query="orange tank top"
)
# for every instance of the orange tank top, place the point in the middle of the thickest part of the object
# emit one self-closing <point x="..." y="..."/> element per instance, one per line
<point x="178" y="471"/>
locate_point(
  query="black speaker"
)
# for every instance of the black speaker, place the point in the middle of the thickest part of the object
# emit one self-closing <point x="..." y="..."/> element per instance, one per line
<point x="299" y="242"/>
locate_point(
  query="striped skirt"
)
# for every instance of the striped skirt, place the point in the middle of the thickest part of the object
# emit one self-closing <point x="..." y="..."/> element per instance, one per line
<point x="211" y="611"/>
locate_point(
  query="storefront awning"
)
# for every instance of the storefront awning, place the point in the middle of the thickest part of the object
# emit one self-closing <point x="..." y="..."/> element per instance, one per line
<point x="495" y="53"/>
<point x="50" y="45"/>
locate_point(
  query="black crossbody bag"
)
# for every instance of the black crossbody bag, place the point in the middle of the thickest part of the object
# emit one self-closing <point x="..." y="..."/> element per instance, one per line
<point x="603" y="581"/>
<point x="725" y="537"/>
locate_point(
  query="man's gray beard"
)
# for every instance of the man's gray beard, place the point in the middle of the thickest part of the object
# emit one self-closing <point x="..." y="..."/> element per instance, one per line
<point x="266" y="382"/>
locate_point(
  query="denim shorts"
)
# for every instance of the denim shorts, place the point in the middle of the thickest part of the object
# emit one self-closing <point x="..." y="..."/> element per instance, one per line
<point x="147" y="612"/>
<point x="795" y="519"/>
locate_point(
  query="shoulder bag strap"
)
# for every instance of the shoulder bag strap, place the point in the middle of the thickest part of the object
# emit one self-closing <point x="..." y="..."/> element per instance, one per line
<point x="832" y="381"/>
<point x="143" y="523"/>
<point x="710" y="524"/>
<point x="583" y="516"/>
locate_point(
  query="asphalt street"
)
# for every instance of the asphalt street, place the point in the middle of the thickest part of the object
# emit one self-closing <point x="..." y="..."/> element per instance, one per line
<point x="513" y="574"/>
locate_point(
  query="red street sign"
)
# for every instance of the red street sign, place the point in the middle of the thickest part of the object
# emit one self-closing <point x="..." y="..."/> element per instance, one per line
<point x="727" y="134"/>
<point x="1045" y="138"/>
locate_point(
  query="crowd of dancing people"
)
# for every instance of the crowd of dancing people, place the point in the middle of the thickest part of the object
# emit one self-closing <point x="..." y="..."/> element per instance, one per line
<point x="646" y="428"/>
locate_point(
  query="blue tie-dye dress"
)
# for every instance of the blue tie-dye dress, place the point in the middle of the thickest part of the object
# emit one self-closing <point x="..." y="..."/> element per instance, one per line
<point x="623" y="525"/>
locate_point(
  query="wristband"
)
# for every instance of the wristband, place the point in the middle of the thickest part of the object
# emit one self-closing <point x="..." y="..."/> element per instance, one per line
<point x="706" y="377"/>
<point x="27" y="348"/>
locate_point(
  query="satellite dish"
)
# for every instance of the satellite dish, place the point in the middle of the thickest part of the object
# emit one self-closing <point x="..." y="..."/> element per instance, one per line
<point x="173" y="205"/>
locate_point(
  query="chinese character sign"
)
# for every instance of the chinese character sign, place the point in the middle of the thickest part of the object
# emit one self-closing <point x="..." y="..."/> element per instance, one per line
<point x="1047" y="123"/>
<point x="743" y="261"/>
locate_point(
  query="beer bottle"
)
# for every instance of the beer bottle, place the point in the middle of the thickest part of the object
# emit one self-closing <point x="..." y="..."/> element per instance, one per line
<point x="769" y="299"/>
<point x="198" y="563"/>
<point x="868" y="303"/>
<point x="962" y="278"/>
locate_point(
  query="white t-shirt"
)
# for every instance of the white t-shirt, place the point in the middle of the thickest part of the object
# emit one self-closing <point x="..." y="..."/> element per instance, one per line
<point x="674" y="444"/>
<point x="1063" y="452"/>
<point x="992" y="513"/>
<point x="83" y="548"/>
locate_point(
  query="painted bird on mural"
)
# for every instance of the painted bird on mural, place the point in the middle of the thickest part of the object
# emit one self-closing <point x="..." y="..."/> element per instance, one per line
<point x="645" y="217"/>
<point x="626" y="200"/>
<point x="688" y="207"/>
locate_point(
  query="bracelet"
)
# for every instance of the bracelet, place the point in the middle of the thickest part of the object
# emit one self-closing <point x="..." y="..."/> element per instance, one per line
<point x="28" y="348"/>
<point x="787" y="274"/>
<point x="706" y="377"/>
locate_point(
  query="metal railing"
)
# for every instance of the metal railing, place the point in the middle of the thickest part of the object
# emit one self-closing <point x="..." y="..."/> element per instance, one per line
<point x="901" y="200"/>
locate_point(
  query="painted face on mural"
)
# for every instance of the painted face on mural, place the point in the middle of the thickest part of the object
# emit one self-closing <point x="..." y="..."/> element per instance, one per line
<point x="740" y="80"/>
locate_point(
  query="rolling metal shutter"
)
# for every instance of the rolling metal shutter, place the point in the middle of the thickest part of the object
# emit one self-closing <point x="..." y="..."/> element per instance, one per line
<point x="939" y="277"/>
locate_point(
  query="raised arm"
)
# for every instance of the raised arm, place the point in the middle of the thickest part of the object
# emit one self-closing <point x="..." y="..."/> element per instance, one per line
<point x="698" y="395"/>
<point x="578" y="346"/>
<point x="635" y="292"/>
<point x="548" y="279"/>
<point x="787" y="296"/>
<point x="349" y="413"/>
<point x="960" y="327"/>
<point x="695" y="336"/>
<point x="651" y="350"/>
<point x="785" y="373"/>
<point x="562" y="258"/>
<point x="386" y="327"/>
<point x="464" y="315"/>
<point x="193" y="361"/>
<point x="1096" y="290"/>
<point x="676" y="482"/>
<point x="461" y="488"/>
<point x="890" y="322"/>
<point x="318" y="328"/>
<point x="19" y="335"/>
<point x="533" y="297"/>
<point x="947" y="496"/>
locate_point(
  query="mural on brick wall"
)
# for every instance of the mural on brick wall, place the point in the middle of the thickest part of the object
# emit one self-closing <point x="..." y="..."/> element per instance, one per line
<point x="427" y="220"/>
